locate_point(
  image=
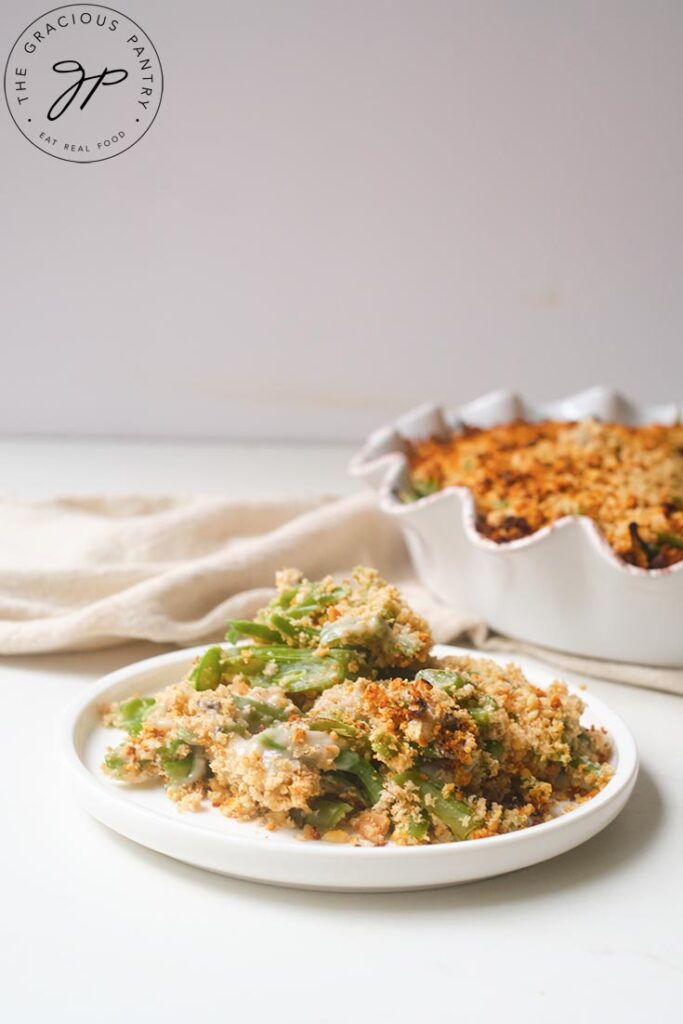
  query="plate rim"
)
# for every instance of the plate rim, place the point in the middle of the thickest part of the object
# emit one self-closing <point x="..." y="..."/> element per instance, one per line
<point x="623" y="780"/>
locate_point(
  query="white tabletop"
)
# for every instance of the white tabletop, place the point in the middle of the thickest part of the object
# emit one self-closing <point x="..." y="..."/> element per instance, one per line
<point x="95" y="928"/>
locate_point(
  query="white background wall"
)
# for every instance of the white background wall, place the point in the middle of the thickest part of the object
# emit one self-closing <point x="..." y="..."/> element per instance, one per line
<point x="344" y="208"/>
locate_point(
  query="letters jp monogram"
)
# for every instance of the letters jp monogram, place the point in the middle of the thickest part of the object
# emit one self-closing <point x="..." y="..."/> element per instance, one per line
<point x="110" y="76"/>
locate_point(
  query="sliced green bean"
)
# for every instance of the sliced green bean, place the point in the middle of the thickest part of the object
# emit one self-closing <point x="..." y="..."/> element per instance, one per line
<point x="300" y="602"/>
<point x="672" y="539"/>
<point x="283" y="625"/>
<point x="206" y="675"/>
<point x="481" y="713"/>
<point x="334" y="725"/>
<point x="384" y="745"/>
<point x="272" y="739"/>
<point x="578" y="761"/>
<point x="259" y="713"/>
<point x="238" y="728"/>
<point x="455" y="814"/>
<point x="257" y="630"/>
<point x="369" y="777"/>
<point x="346" y="786"/>
<point x="443" y="678"/>
<point x="417" y="489"/>
<point x="327" y="814"/>
<point x="302" y="611"/>
<point x="495" y="748"/>
<point x="418" y="826"/>
<point x="425" y="487"/>
<point x="114" y="762"/>
<point x="130" y="714"/>
<point x="178" y="770"/>
<point x="294" y="630"/>
<point x="284" y="599"/>
<point x="293" y="670"/>
<point x="187" y="768"/>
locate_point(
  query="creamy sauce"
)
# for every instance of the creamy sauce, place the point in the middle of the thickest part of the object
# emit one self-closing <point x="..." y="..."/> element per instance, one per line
<point x="316" y="750"/>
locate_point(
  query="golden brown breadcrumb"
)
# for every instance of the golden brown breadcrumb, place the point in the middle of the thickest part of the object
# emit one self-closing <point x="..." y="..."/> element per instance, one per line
<point x="524" y="476"/>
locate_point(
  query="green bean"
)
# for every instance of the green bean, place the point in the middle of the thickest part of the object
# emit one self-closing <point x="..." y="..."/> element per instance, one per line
<point x="672" y="539"/>
<point x="495" y="748"/>
<point x="418" y="826"/>
<point x="431" y="752"/>
<point x="385" y="746"/>
<point x="302" y="601"/>
<point x="284" y="599"/>
<point x="294" y="630"/>
<point x="170" y="750"/>
<point x="302" y="611"/>
<point x="235" y="727"/>
<point x="257" y="630"/>
<point x="418" y="489"/>
<point x="294" y="670"/>
<point x="179" y="769"/>
<point x="481" y="713"/>
<point x="315" y="674"/>
<point x="344" y="786"/>
<point x="271" y="740"/>
<point x="326" y="814"/>
<point x="114" y="762"/>
<point x="369" y="777"/>
<point x="283" y="625"/>
<point x="578" y="761"/>
<point x="259" y="713"/>
<point x="334" y="725"/>
<point x="425" y="487"/>
<point x="443" y="678"/>
<point x="130" y="714"/>
<point x="119" y="759"/>
<point x="206" y="675"/>
<point x="254" y="657"/>
<point x="456" y="815"/>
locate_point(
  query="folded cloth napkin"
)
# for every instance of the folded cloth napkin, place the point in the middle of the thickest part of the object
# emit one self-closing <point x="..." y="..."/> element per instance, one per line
<point x="80" y="573"/>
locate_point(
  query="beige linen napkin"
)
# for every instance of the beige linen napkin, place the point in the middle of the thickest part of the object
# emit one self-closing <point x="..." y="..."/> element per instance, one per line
<point x="80" y="573"/>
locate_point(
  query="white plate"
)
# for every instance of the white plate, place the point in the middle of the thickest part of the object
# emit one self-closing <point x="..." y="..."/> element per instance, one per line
<point x="209" y="840"/>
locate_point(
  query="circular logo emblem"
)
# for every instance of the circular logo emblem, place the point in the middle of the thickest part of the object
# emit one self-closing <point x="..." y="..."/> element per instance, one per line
<point x="83" y="83"/>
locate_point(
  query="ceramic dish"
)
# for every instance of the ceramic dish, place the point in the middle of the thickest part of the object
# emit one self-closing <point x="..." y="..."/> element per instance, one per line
<point x="561" y="587"/>
<point x="208" y="840"/>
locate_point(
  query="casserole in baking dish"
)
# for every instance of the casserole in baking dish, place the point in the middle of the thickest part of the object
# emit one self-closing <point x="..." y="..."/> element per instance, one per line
<point x="544" y="520"/>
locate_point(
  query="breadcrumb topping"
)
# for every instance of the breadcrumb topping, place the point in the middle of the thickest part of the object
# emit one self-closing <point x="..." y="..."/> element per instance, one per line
<point x="523" y="476"/>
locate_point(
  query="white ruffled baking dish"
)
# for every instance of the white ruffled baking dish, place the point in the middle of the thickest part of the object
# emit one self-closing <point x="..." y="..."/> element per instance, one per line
<point x="562" y="587"/>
